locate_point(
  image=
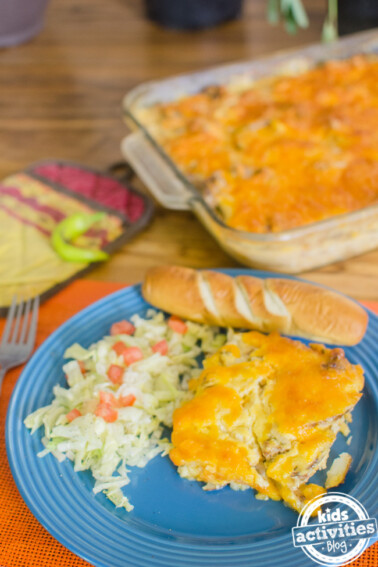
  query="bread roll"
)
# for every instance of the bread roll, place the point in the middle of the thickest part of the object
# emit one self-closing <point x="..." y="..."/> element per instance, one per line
<point x="274" y="304"/>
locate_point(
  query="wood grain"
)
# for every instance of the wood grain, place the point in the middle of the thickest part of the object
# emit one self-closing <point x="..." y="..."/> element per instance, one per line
<point x="60" y="96"/>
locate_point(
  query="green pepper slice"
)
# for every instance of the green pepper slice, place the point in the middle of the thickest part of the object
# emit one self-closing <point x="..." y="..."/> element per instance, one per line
<point x="70" y="228"/>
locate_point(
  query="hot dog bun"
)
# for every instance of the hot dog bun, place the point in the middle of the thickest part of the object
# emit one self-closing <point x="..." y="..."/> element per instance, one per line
<point x="273" y="304"/>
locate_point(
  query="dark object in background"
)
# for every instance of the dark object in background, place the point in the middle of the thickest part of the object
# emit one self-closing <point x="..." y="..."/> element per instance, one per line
<point x="20" y="20"/>
<point x="192" y="14"/>
<point x="357" y="15"/>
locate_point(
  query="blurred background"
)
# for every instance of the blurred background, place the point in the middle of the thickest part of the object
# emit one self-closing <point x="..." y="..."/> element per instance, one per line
<point x="91" y="52"/>
<point x="61" y="92"/>
<point x="98" y="50"/>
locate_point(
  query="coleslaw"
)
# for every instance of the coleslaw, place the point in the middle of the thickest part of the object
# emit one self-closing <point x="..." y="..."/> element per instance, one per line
<point x="121" y="393"/>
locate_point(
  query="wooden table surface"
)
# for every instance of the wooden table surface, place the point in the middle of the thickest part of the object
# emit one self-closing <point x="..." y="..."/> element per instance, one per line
<point x="61" y="93"/>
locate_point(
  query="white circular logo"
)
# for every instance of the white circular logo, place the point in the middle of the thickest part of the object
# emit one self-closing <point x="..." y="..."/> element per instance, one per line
<point x="339" y="532"/>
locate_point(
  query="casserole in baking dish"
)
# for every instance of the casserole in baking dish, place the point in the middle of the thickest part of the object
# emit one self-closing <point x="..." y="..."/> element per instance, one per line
<point x="278" y="157"/>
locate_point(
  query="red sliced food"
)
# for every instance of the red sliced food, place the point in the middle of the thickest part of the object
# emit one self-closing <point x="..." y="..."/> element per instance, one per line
<point x="132" y="354"/>
<point x="122" y="328"/>
<point x="107" y="412"/>
<point x="128" y="400"/>
<point x="115" y="373"/>
<point x="73" y="414"/>
<point x="119" y="347"/>
<point x="107" y="398"/>
<point x="161" y="347"/>
<point x="177" y="325"/>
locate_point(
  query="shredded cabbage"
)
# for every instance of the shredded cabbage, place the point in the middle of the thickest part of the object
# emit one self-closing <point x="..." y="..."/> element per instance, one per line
<point x="159" y="384"/>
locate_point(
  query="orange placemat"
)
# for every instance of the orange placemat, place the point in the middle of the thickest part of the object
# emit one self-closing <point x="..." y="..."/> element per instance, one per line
<point x="23" y="541"/>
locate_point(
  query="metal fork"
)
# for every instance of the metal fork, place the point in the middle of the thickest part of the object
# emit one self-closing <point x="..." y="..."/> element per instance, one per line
<point x="18" y="338"/>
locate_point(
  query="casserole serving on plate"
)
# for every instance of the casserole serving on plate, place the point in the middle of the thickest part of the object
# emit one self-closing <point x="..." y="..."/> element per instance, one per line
<point x="276" y="157"/>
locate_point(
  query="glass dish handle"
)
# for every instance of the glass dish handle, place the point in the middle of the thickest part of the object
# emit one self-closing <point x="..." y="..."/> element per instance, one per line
<point x="155" y="172"/>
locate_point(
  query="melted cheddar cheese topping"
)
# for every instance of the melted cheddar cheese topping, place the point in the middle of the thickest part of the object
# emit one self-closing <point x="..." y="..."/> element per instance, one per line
<point x="265" y="414"/>
<point x="308" y="384"/>
<point x="283" y="152"/>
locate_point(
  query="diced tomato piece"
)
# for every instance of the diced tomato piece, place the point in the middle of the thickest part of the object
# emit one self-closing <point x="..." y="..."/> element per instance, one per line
<point x="122" y="328"/>
<point x="119" y="347"/>
<point x="107" y="398"/>
<point x="125" y="401"/>
<point x="73" y="414"/>
<point x="132" y="354"/>
<point x="107" y="413"/>
<point x="177" y="325"/>
<point x="82" y="366"/>
<point x="115" y="373"/>
<point x="161" y="346"/>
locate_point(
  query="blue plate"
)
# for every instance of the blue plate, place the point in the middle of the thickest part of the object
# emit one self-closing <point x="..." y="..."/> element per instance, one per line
<point x="175" y="523"/>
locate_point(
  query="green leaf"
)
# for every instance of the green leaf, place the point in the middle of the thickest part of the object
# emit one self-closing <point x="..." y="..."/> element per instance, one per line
<point x="77" y="352"/>
<point x="290" y="23"/>
<point x="329" y="32"/>
<point x="273" y="12"/>
<point x="299" y="13"/>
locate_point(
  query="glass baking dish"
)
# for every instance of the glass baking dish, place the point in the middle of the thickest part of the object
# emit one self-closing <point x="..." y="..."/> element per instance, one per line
<point x="291" y="251"/>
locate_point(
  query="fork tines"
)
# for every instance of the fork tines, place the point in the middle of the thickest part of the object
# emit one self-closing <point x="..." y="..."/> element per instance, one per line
<point x="17" y="333"/>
